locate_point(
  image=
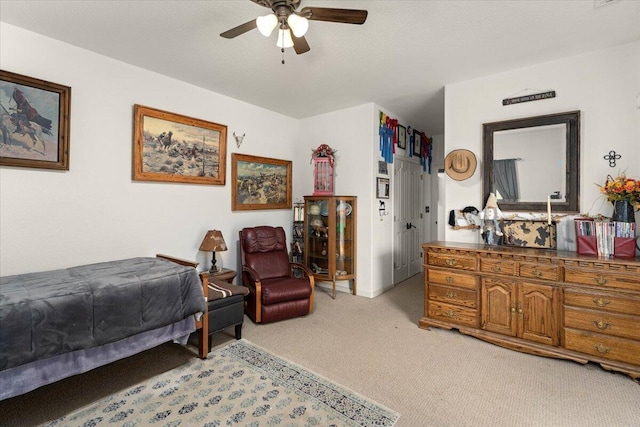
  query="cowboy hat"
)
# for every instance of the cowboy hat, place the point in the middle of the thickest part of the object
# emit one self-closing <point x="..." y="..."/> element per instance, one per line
<point x="460" y="164"/>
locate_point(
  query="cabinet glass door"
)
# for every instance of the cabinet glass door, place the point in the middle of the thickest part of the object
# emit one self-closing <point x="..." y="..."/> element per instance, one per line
<point x="317" y="235"/>
<point x="344" y="237"/>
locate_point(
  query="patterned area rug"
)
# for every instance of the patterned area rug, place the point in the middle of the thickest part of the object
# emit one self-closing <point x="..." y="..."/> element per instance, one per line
<point x="239" y="384"/>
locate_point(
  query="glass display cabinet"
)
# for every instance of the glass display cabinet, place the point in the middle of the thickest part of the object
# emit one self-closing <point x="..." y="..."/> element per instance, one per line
<point x="330" y="238"/>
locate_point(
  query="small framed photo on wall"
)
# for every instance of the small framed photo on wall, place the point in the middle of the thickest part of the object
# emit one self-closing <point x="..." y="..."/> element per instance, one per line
<point x="417" y="142"/>
<point x="382" y="188"/>
<point x="382" y="168"/>
<point x="402" y="137"/>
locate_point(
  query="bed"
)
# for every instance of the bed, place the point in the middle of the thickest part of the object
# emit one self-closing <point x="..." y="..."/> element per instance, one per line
<point x="59" y="323"/>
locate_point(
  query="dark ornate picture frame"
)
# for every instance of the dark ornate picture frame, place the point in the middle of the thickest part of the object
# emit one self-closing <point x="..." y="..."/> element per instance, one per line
<point x="402" y="137"/>
<point x="417" y="140"/>
<point x="260" y="183"/>
<point x="170" y="147"/>
<point x="34" y="122"/>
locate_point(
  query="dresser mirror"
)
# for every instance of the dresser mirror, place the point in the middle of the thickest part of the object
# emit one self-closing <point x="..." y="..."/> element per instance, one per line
<point x="527" y="160"/>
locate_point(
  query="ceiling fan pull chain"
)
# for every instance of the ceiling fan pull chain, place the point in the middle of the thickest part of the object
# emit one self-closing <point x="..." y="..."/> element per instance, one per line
<point x="282" y="50"/>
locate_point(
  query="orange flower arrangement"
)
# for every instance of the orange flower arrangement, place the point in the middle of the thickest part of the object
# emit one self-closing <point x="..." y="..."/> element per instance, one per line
<point x="622" y="188"/>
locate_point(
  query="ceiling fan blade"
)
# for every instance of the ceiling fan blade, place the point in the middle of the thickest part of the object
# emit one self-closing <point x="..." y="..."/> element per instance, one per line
<point x="265" y="3"/>
<point x="346" y="16"/>
<point x="240" y="29"/>
<point x="300" y="44"/>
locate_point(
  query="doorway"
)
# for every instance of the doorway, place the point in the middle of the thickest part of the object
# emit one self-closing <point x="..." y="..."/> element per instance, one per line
<point x="408" y="220"/>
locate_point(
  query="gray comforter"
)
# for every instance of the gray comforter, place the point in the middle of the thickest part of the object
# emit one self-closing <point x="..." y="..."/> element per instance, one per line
<point x="53" y="312"/>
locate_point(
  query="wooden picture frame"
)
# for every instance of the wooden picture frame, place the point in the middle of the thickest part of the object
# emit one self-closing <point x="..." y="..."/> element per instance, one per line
<point x="170" y="147"/>
<point x="260" y="183"/>
<point x="417" y="140"/>
<point x="34" y="122"/>
<point x="402" y="137"/>
<point x="382" y="188"/>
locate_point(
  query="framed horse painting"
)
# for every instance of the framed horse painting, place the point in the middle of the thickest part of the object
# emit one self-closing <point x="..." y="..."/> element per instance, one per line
<point x="34" y="122"/>
<point x="260" y="183"/>
<point x="170" y="147"/>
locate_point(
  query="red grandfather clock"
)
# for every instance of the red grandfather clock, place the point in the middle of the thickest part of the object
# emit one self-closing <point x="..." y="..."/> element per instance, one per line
<point x="323" y="176"/>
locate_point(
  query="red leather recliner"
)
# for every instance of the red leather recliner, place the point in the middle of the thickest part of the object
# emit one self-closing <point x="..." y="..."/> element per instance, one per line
<point x="274" y="292"/>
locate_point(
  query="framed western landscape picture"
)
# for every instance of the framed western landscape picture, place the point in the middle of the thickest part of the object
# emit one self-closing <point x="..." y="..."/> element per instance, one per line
<point x="34" y="122"/>
<point x="170" y="147"/>
<point x="260" y="183"/>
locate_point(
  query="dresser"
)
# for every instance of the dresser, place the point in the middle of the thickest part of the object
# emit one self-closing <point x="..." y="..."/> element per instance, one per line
<point x="544" y="302"/>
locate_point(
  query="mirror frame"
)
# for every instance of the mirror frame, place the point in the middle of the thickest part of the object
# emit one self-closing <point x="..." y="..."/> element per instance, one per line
<point x="572" y="120"/>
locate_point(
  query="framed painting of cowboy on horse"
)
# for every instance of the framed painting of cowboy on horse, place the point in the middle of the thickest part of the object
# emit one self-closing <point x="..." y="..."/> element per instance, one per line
<point x="34" y="122"/>
<point x="170" y="147"/>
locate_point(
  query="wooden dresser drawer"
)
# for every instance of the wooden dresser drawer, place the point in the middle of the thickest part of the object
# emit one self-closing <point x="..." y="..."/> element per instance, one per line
<point x="539" y="271"/>
<point x="603" y="346"/>
<point x="604" y="278"/>
<point x="458" y="262"/>
<point x="451" y="279"/>
<point x="602" y="322"/>
<point x="602" y="301"/>
<point x="497" y="266"/>
<point x="453" y="314"/>
<point x="451" y="295"/>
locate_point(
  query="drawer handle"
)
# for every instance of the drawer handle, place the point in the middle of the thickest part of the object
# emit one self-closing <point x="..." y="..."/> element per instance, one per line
<point x="601" y="349"/>
<point x="513" y="309"/>
<point x="450" y="314"/>
<point x="601" y="302"/>
<point x="537" y="273"/>
<point x="451" y="262"/>
<point x="450" y="279"/>
<point x="602" y="325"/>
<point x="497" y="268"/>
<point x="600" y="280"/>
<point x="451" y="294"/>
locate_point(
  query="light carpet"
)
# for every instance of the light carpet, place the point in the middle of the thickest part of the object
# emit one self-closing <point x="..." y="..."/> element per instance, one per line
<point x="239" y="384"/>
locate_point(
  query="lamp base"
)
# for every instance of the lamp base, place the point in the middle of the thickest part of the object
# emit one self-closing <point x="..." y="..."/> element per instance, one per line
<point x="214" y="268"/>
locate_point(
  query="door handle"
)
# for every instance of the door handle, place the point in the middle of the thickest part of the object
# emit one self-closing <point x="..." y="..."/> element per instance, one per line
<point x="410" y="226"/>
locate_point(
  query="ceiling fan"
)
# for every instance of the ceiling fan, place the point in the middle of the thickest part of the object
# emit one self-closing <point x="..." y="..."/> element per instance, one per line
<point x="288" y="20"/>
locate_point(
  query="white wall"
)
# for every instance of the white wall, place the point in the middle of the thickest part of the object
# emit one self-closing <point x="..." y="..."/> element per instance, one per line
<point x="349" y="133"/>
<point x="603" y="85"/>
<point x="95" y="212"/>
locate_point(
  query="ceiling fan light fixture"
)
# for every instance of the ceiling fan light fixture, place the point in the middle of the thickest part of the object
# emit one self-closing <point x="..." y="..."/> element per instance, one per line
<point x="266" y="24"/>
<point x="284" y="38"/>
<point x="298" y="24"/>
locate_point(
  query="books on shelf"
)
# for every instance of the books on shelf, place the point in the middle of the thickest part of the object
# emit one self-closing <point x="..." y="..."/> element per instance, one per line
<point x="605" y="238"/>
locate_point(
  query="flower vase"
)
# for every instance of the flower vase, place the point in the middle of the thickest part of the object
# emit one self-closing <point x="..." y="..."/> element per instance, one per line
<point x="623" y="211"/>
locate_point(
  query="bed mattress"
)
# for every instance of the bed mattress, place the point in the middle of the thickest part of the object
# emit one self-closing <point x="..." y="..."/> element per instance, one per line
<point x="54" y="312"/>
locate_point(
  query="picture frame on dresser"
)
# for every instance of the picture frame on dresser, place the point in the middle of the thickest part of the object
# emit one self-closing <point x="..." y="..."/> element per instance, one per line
<point x="260" y="183"/>
<point x="170" y="147"/>
<point x="35" y="121"/>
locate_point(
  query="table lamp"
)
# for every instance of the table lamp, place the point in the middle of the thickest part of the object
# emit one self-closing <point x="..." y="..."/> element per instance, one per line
<point x="213" y="242"/>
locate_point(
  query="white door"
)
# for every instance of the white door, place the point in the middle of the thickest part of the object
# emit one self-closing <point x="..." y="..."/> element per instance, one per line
<point x="407" y="221"/>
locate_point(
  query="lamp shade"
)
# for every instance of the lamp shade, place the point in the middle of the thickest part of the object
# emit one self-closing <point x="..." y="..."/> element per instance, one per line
<point x="266" y="24"/>
<point x="298" y="24"/>
<point x="213" y="241"/>
<point x="284" y="38"/>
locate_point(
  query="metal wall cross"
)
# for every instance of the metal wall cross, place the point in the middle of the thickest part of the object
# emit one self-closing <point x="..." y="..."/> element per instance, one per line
<point x="612" y="157"/>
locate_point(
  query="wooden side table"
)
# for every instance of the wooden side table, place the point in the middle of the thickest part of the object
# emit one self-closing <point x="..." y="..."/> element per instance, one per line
<point x="224" y="274"/>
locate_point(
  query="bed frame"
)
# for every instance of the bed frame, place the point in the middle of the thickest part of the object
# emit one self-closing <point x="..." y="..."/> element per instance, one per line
<point x="202" y="325"/>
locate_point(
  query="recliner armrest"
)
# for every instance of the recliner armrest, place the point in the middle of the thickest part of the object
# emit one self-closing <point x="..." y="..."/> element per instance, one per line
<point x="253" y="275"/>
<point x="302" y="267"/>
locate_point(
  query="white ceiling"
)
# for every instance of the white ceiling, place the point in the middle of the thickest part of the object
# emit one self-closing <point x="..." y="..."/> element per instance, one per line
<point x="401" y="58"/>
